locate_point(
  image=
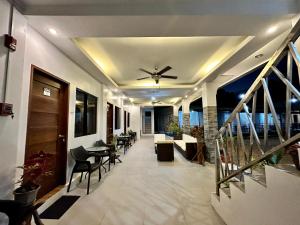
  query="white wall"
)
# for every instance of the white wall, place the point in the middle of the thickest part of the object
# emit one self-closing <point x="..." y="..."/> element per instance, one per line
<point x="33" y="49"/>
<point x="134" y="110"/>
<point x="135" y="115"/>
<point x="9" y="128"/>
<point x="41" y="53"/>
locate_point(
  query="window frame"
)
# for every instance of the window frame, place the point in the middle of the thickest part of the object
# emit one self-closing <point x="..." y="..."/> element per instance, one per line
<point x="85" y="114"/>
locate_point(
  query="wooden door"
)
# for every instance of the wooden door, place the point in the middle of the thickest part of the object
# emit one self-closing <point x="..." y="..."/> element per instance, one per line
<point x="125" y="122"/>
<point x="110" y="123"/>
<point x="47" y="125"/>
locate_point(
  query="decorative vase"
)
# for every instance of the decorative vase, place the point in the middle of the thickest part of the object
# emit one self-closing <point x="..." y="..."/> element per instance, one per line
<point x="26" y="197"/>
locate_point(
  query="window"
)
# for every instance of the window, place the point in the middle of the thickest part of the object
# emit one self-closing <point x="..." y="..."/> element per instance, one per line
<point x="117" y="118"/>
<point x="128" y="120"/>
<point x="85" y="114"/>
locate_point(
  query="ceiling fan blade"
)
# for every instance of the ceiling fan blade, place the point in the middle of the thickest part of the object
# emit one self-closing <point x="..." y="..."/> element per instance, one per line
<point x="169" y="77"/>
<point x="143" y="78"/>
<point x="143" y="70"/>
<point x="167" y="68"/>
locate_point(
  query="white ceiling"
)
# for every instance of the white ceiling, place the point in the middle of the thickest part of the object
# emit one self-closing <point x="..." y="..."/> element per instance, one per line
<point x="199" y="29"/>
<point x="191" y="58"/>
<point x="157" y="7"/>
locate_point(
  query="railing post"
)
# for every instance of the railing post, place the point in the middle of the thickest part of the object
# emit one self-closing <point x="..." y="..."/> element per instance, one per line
<point x="217" y="167"/>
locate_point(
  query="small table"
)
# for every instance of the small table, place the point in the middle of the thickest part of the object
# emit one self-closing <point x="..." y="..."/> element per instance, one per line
<point x="102" y="153"/>
<point x="98" y="149"/>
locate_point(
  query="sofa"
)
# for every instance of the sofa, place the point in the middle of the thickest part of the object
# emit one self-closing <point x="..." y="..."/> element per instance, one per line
<point x="187" y="146"/>
<point x="164" y="148"/>
<point x="159" y="137"/>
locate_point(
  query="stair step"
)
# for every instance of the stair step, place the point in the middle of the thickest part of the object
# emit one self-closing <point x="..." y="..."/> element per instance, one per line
<point x="227" y="192"/>
<point x="288" y="168"/>
<point x="239" y="184"/>
<point x="259" y="178"/>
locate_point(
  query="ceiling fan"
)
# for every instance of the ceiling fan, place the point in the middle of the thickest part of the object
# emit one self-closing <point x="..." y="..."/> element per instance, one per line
<point x="157" y="75"/>
<point x="156" y="102"/>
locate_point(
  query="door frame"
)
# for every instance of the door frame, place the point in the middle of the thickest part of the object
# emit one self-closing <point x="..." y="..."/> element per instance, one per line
<point x="125" y="122"/>
<point x="66" y="110"/>
<point x="112" y="118"/>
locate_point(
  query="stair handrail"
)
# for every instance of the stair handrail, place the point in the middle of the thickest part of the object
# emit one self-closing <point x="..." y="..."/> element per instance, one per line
<point x="275" y="149"/>
<point x="261" y="81"/>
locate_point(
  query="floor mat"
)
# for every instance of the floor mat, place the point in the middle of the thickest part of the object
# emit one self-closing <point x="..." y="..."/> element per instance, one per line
<point x="58" y="208"/>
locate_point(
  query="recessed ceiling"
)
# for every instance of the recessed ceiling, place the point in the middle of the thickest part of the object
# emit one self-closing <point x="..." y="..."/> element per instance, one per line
<point x="114" y="26"/>
<point x="191" y="58"/>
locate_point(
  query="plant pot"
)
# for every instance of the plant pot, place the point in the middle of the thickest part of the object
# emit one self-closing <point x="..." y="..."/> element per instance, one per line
<point x="177" y="136"/>
<point x="27" y="197"/>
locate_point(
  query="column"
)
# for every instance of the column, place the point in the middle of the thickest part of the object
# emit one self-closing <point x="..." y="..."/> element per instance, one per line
<point x="175" y="113"/>
<point x="186" y="116"/>
<point x="210" y="119"/>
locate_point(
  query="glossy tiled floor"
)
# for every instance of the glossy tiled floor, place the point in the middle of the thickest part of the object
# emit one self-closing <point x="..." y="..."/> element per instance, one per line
<point x="142" y="191"/>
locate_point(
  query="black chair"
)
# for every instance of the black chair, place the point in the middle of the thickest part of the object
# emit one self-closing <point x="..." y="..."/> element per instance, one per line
<point x="19" y="213"/>
<point x="123" y="142"/>
<point x="113" y="152"/>
<point x="80" y="155"/>
<point x="132" y="135"/>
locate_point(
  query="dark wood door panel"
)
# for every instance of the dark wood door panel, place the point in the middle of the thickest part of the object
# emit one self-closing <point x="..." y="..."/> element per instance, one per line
<point x="42" y="104"/>
<point x="42" y="119"/>
<point x="47" y="119"/>
<point x="39" y="89"/>
<point x="47" y="147"/>
<point x="42" y="135"/>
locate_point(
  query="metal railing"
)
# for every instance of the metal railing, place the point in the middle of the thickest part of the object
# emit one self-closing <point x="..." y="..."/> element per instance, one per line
<point x="232" y="156"/>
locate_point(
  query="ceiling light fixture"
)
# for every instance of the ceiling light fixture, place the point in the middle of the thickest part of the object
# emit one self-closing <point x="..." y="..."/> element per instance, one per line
<point x="294" y="100"/>
<point x="272" y="29"/>
<point x="195" y="89"/>
<point x="153" y="98"/>
<point x="52" y="31"/>
<point x="186" y="96"/>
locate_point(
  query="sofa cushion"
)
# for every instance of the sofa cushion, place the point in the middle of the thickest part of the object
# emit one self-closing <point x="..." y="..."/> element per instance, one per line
<point x="181" y="144"/>
<point x="165" y="142"/>
<point x="159" y="137"/>
<point x="188" y="139"/>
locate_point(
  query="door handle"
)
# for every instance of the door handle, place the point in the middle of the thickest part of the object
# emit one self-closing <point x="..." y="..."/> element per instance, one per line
<point x="63" y="137"/>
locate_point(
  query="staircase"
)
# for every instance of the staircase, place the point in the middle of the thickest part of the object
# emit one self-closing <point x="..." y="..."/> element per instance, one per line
<point x="148" y="125"/>
<point x="249" y="191"/>
<point x="267" y="199"/>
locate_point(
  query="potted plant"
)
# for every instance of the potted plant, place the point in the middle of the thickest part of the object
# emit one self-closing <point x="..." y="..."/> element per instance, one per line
<point x="275" y="158"/>
<point x="175" y="130"/>
<point x="34" y="168"/>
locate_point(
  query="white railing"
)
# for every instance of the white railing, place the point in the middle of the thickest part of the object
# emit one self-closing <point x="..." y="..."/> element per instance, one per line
<point x="233" y="155"/>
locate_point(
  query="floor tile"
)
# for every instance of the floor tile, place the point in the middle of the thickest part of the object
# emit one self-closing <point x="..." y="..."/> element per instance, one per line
<point x="143" y="191"/>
